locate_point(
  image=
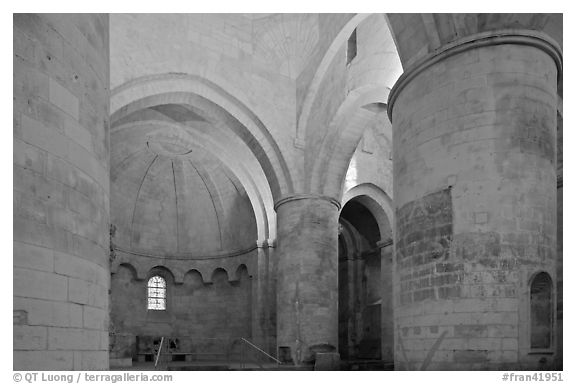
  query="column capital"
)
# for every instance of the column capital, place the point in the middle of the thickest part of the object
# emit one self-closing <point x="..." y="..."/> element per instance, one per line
<point x="266" y="243"/>
<point x="508" y="36"/>
<point x="305" y="196"/>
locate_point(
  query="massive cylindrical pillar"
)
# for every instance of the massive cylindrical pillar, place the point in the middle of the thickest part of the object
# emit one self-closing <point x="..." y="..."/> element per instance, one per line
<point x="475" y="192"/>
<point x="307" y="273"/>
<point x="61" y="192"/>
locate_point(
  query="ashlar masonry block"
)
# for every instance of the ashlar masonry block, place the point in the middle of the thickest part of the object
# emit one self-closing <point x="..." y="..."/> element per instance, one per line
<point x="59" y="153"/>
<point x="467" y="193"/>
<point x="63" y="98"/>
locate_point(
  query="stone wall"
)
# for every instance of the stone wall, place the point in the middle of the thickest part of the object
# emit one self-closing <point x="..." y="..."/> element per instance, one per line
<point x="387" y="302"/>
<point x="205" y="317"/>
<point x="61" y="192"/>
<point x="474" y="149"/>
<point x="371" y="162"/>
<point x="346" y="106"/>
<point x="422" y="250"/>
<point x="560" y="245"/>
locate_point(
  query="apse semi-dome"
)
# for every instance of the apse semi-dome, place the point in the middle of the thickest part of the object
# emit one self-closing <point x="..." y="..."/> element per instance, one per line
<point x="173" y="198"/>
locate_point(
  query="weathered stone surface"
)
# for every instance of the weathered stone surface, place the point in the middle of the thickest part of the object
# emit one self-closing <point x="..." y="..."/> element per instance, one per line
<point x="205" y="317"/>
<point x="218" y="116"/>
<point x="484" y="136"/>
<point x="60" y="193"/>
<point x="424" y="242"/>
<point x="30" y="338"/>
<point x="307" y="290"/>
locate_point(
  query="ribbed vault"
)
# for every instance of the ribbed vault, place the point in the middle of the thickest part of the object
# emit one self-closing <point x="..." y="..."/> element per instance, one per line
<point x="172" y="195"/>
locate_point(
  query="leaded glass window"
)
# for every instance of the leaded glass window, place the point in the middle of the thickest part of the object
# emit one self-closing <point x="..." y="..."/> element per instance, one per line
<point x="157" y="293"/>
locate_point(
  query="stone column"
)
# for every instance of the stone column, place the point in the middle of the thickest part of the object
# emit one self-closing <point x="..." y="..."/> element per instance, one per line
<point x="260" y="317"/>
<point x="354" y="280"/>
<point x="387" y="306"/>
<point x="474" y="137"/>
<point x="559" y="241"/>
<point x="272" y="282"/>
<point x="61" y="192"/>
<point x="307" y="288"/>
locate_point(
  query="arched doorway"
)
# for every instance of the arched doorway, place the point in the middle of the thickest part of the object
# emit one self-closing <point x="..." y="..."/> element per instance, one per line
<point x="365" y="305"/>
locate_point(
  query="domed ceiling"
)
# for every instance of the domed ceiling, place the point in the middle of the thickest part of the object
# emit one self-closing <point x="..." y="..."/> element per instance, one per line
<point x="171" y="197"/>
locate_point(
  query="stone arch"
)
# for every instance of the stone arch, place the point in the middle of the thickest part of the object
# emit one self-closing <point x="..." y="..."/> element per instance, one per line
<point x="194" y="275"/>
<point x="220" y="276"/>
<point x="542" y="273"/>
<point x="129" y="268"/>
<point x="541" y="291"/>
<point x="349" y="123"/>
<point x="163" y="272"/>
<point x="376" y="201"/>
<point x="193" y="88"/>
<point x="242" y="272"/>
<point x="321" y="71"/>
<point x="193" y="279"/>
<point x="368" y="83"/>
<point x="350" y="236"/>
<point x="366" y="273"/>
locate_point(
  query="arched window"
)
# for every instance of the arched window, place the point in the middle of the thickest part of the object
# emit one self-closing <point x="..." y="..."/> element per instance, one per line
<point x="157" y="293"/>
<point x="541" y="311"/>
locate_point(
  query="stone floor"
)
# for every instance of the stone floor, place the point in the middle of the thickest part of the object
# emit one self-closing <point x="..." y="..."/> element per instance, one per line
<point x="208" y="366"/>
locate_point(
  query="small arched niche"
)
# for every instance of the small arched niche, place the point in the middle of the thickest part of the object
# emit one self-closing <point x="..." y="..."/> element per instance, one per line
<point x="193" y="280"/>
<point x="541" y="312"/>
<point x="242" y="273"/>
<point x="126" y="273"/>
<point x="220" y="277"/>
